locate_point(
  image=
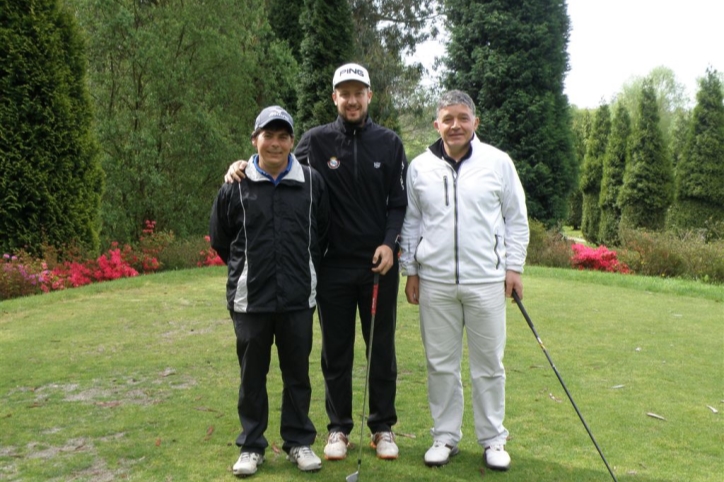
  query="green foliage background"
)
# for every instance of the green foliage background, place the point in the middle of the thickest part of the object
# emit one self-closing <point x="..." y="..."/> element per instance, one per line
<point x="511" y="58"/>
<point x="700" y="173"/>
<point x="592" y="172"/>
<point x="647" y="190"/>
<point x="614" y="165"/>
<point x="176" y="85"/>
<point x="51" y="179"/>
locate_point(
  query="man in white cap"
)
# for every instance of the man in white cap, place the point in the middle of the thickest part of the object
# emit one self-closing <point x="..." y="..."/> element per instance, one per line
<point x="364" y="167"/>
<point x="270" y="229"/>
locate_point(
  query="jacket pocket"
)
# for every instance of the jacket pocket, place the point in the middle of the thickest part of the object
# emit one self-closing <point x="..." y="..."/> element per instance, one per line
<point x="417" y="250"/>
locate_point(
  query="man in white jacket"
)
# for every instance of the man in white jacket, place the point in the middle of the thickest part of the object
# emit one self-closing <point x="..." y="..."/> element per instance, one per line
<point x="464" y="242"/>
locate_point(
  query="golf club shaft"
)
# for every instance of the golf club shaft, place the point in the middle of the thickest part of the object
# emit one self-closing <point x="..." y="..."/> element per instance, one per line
<point x="373" y="311"/>
<point x="550" y="361"/>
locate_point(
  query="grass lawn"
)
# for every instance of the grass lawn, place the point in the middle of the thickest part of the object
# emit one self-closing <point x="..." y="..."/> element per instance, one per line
<point x="136" y="379"/>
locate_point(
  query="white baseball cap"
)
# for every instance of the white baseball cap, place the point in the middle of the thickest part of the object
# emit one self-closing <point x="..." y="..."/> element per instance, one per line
<point x="351" y="72"/>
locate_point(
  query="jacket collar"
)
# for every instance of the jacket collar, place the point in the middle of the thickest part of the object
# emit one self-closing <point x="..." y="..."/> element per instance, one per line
<point x="438" y="149"/>
<point x="348" y="128"/>
<point x="296" y="174"/>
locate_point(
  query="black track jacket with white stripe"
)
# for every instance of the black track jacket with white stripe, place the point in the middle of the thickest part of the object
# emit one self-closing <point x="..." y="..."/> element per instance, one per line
<point x="271" y="238"/>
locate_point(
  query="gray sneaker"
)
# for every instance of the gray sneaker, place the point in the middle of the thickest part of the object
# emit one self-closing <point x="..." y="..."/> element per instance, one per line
<point x="247" y="463"/>
<point x="305" y="458"/>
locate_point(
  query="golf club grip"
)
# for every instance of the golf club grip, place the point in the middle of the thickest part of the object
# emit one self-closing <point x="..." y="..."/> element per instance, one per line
<point x="375" y="291"/>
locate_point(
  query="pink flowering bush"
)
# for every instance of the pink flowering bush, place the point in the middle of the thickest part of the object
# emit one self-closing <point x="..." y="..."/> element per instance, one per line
<point x="209" y="256"/>
<point x="599" y="259"/>
<point x="21" y="275"/>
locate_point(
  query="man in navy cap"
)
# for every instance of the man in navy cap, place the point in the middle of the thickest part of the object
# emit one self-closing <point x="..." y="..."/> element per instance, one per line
<point x="270" y="229"/>
<point x="364" y="166"/>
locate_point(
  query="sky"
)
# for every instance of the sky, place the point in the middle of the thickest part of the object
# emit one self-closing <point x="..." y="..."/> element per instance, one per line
<point x="614" y="41"/>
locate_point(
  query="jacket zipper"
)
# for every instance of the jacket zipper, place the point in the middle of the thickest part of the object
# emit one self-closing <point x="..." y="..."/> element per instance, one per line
<point x="354" y="150"/>
<point x="447" y="201"/>
<point x="455" y="210"/>
<point x="495" y="248"/>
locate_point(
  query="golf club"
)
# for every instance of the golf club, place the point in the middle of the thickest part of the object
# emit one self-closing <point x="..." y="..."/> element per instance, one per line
<point x="540" y="343"/>
<point x="375" y="288"/>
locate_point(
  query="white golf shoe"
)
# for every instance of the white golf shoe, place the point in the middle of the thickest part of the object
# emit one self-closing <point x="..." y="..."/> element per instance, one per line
<point x="496" y="457"/>
<point x="336" y="448"/>
<point x="305" y="458"/>
<point x="247" y="463"/>
<point x="439" y="454"/>
<point x="384" y="444"/>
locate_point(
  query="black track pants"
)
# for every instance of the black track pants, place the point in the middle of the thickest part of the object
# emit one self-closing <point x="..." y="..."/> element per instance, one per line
<point x="341" y="293"/>
<point x="255" y="333"/>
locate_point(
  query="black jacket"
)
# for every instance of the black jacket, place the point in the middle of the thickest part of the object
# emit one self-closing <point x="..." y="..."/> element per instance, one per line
<point x="364" y="169"/>
<point x="272" y="239"/>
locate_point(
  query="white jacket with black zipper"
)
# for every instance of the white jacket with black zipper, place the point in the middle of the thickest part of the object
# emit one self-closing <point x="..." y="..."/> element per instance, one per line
<point x="467" y="227"/>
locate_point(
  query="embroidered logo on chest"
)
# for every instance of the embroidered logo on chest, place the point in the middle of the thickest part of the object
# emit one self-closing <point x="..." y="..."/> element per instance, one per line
<point x="333" y="163"/>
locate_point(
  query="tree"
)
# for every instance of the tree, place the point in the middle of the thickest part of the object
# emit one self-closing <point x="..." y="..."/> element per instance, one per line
<point x="511" y="58"/>
<point x="670" y="96"/>
<point x="679" y="134"/>
<point x="581" y="122"/>
<point x="385" y="31"/>
<point x="592" y="173"/>
<point x="614" y="165"/>
<point x="51" y="179"/>
<point x="327" y="44"/>
<point x="648" y="183"/>
<point x="700" y="172"/>
<point x="284" y="21"/>
<point x="177" y="85"/>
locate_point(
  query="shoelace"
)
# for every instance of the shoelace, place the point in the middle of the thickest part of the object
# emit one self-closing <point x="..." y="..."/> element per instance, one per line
<point x="303" y="452"/>
<point x="337" y="437"/>
<point x="384" y="436"/>
<point x="246" y="457"/>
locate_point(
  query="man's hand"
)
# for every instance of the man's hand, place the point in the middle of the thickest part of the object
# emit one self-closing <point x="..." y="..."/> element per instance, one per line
<point x="382" y="260"/>
<point x="513" y="281"/>
<point x="235" y="172"/>
<point x="412" y="290"/>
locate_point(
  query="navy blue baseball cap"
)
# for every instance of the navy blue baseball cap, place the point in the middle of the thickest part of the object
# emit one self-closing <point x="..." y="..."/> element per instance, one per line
<point x="271" y="114"/>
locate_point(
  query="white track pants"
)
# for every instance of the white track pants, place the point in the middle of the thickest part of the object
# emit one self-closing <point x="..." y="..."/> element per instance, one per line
<point x="445" y="310"/>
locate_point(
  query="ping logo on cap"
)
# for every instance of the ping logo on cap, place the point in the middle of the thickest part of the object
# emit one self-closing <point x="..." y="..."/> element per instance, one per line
<point x="351" y="72"/>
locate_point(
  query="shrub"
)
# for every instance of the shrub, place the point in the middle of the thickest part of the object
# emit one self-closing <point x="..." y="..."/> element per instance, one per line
<point x="21" y="275"/>
<point x="684" y="254"/>
<point x="547" y="247"/>
<point x="209" y="257"/>
<point x="183" y="253"/>
<point x="598" y="259"/>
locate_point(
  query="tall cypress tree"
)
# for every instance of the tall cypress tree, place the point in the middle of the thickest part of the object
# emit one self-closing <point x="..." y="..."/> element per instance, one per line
<point x="328" y="43"/>
<point x="581" y="123"/>
<point x="700" y="171"/>
<point x="511" y="58"/>
<point x="50" y="175"/>
<point x="648" y="182"/>
<point x="614" y="165"/>
<point x="593" y="172"/>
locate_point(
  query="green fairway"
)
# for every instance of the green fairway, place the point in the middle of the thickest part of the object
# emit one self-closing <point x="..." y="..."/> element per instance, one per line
<point x="137" y="379"/>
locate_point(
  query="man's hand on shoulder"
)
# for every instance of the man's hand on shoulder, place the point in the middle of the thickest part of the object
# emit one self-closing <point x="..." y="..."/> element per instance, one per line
<point x="235" y="172"/>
